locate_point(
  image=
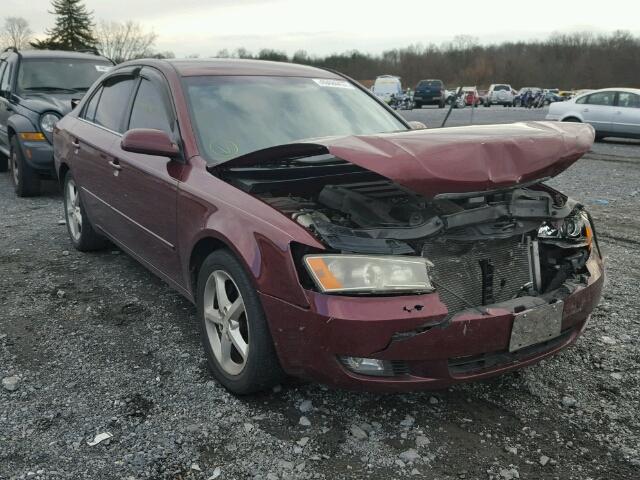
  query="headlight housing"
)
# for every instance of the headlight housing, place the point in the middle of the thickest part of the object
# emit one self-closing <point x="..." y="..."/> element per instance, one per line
<point x="48" y="121"/>
<point x="574" y="228"/>
<point x="337" y="273"/>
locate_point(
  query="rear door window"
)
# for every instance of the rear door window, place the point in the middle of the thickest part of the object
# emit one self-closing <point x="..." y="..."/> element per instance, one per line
<point x="601" y="98"/>
<point x="149" y="108"/>
<point x="628" y="100"/>
<point x="113" y="103"/>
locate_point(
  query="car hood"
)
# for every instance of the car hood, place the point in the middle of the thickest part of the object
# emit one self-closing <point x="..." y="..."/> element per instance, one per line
<point x="451" y="160"/>
<point x="40" y="102"/>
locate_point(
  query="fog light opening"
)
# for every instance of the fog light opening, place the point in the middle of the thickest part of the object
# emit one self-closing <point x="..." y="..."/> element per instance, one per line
<point x="368" y="366"/>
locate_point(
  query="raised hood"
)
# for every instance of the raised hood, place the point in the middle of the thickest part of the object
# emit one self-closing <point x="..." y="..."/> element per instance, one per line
<point x="451" y="160"/>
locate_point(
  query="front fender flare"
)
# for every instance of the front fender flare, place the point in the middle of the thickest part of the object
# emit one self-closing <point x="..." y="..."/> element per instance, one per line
<point x="19" y="123"/>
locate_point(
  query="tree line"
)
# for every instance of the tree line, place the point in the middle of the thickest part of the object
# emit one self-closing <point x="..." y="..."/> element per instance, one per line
<point x="567" y="61"/>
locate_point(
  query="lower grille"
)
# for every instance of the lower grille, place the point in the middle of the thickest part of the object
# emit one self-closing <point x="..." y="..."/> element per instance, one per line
<point x="477" y="363"/>
<point x="471" y="274"/>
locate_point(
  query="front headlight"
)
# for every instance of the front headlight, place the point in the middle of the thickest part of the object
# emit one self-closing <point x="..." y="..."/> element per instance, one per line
<point x="575" y="228"/>
<point x="48" y="121"/>
<point x="367" y="274"/>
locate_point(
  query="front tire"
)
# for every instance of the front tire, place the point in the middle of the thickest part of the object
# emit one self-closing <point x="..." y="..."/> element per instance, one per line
<point x="26" y="182"/>
<point x="81" y="232"/>
<point x="233" y="327"/>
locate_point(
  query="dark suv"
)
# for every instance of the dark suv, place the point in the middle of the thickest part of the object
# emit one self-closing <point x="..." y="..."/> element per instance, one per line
<point x="429" y="92"/>
<point x="37" y="88"/>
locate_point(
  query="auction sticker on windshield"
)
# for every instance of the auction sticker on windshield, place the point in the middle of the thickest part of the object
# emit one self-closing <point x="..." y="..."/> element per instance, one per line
<point x="326" y="82"/>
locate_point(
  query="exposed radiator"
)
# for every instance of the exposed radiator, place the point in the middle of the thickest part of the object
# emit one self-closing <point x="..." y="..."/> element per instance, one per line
<point x="470" y="274"/>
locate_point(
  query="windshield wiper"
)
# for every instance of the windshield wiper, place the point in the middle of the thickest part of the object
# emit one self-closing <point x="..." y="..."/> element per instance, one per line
<point x="45" y="89"/>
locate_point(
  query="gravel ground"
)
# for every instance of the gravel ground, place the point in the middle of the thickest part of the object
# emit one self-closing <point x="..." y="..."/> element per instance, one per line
<point x="93" y="343"/>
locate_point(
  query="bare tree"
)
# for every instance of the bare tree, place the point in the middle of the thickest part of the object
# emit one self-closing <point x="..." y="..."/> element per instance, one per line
<point x="15" y="33"/>
<point x="124" y="41"/>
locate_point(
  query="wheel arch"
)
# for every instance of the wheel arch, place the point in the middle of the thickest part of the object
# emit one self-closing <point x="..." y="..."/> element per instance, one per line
<point x="571" y="118"/>
<point x="62" y="172"/>
<point x="204" y="247"/>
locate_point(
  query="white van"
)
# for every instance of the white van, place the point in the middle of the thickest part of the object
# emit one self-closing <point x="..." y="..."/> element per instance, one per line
<point x="385" y="86"/>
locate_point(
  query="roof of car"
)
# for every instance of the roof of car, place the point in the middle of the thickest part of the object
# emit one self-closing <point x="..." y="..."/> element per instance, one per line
<point x="235" y="66"/>
<point x="613" y="89"/>
<point x="60" y="54"/>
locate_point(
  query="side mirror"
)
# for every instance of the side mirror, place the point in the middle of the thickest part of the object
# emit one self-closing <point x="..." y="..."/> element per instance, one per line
<point x="149" y="142"/>
<point x="415" y="125"/>
<point x="74" y="102"/>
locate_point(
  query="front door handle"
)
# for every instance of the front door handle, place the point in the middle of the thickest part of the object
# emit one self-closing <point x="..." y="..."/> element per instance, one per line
<point x="115" y="164"/>
<point x="585" y="110"/>
<point x="76" y="144"/>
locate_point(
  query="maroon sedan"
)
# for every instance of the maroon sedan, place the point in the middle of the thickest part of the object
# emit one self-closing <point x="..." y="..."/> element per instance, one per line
<point x="320" y="236"/>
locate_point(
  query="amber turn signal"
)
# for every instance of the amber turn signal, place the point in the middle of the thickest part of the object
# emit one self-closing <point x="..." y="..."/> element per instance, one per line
<point x="32" y="136"/>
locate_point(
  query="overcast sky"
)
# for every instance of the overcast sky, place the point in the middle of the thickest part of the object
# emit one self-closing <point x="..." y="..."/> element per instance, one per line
<point x="326" y="26"/>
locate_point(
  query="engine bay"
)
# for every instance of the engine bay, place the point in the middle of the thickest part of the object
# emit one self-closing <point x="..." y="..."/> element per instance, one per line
<point x="520" y="240"/>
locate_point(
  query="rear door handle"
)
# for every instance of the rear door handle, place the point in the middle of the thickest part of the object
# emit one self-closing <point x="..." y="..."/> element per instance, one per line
<point x="115" y="164"/>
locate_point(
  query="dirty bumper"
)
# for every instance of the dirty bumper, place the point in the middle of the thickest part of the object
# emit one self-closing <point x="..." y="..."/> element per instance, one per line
<point x="421" y="347"/>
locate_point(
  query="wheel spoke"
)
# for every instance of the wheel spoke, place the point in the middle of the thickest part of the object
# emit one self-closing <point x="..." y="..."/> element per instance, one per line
<point x="225" y="352"/>
<point x="235" y="310"/>
<point x="238" y="342"/>
<point x="212" y="315"/>
<point x="221" y="293"/>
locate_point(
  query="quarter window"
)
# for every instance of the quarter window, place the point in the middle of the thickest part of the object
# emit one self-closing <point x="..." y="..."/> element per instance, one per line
<point x="5" y="84"/>
<point x="90" y="110"/>
<point x="149" y="108"/>
<point x="113" y="104"/>
<point x="628" y="100"/>
<point x="601" y="98"/>
<point x="3" y="66"/>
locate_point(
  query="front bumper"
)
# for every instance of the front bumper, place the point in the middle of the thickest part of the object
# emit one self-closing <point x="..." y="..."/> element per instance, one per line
<point x="409" y="332"/>
<point x="427" y="98"/>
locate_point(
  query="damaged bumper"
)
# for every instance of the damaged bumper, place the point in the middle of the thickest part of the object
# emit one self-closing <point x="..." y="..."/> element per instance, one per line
<point x="420" y="344"/>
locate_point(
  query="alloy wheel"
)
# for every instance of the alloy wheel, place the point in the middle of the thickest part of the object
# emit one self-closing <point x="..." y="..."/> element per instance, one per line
<point x="226" y="322"/>
<point x="74" y="214"/>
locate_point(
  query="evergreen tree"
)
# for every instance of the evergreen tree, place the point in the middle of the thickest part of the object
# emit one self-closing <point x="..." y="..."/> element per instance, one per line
<point x="73" y="29"/>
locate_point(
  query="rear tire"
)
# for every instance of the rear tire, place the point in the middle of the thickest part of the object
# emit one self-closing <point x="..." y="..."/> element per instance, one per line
<point x="81" y="231"/>
<point x="417" y="105"/>
<point x="4" y="163"/>
<point x="232" y="321"/>
<point x="572" y="119"/>
<point x="26" y="182"/>
<point x="441" y="105"/>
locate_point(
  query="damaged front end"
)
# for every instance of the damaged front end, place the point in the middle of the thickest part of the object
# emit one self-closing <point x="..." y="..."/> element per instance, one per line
<point x="502" y="242"/>
<point x="481" y="248"/>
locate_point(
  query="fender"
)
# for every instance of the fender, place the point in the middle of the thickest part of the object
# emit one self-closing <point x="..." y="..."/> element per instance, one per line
<point x="19" y="123"/>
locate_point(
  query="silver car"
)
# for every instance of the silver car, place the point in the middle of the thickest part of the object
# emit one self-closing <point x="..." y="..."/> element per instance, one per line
<point x="613" y="112"/>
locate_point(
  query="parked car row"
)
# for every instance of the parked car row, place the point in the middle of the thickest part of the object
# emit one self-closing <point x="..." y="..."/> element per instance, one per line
<point x="337" y="243"/>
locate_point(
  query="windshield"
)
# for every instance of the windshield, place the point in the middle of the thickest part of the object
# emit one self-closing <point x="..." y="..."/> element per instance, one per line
<point x="233" y="116"/>
<point x="60" y="74"/>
